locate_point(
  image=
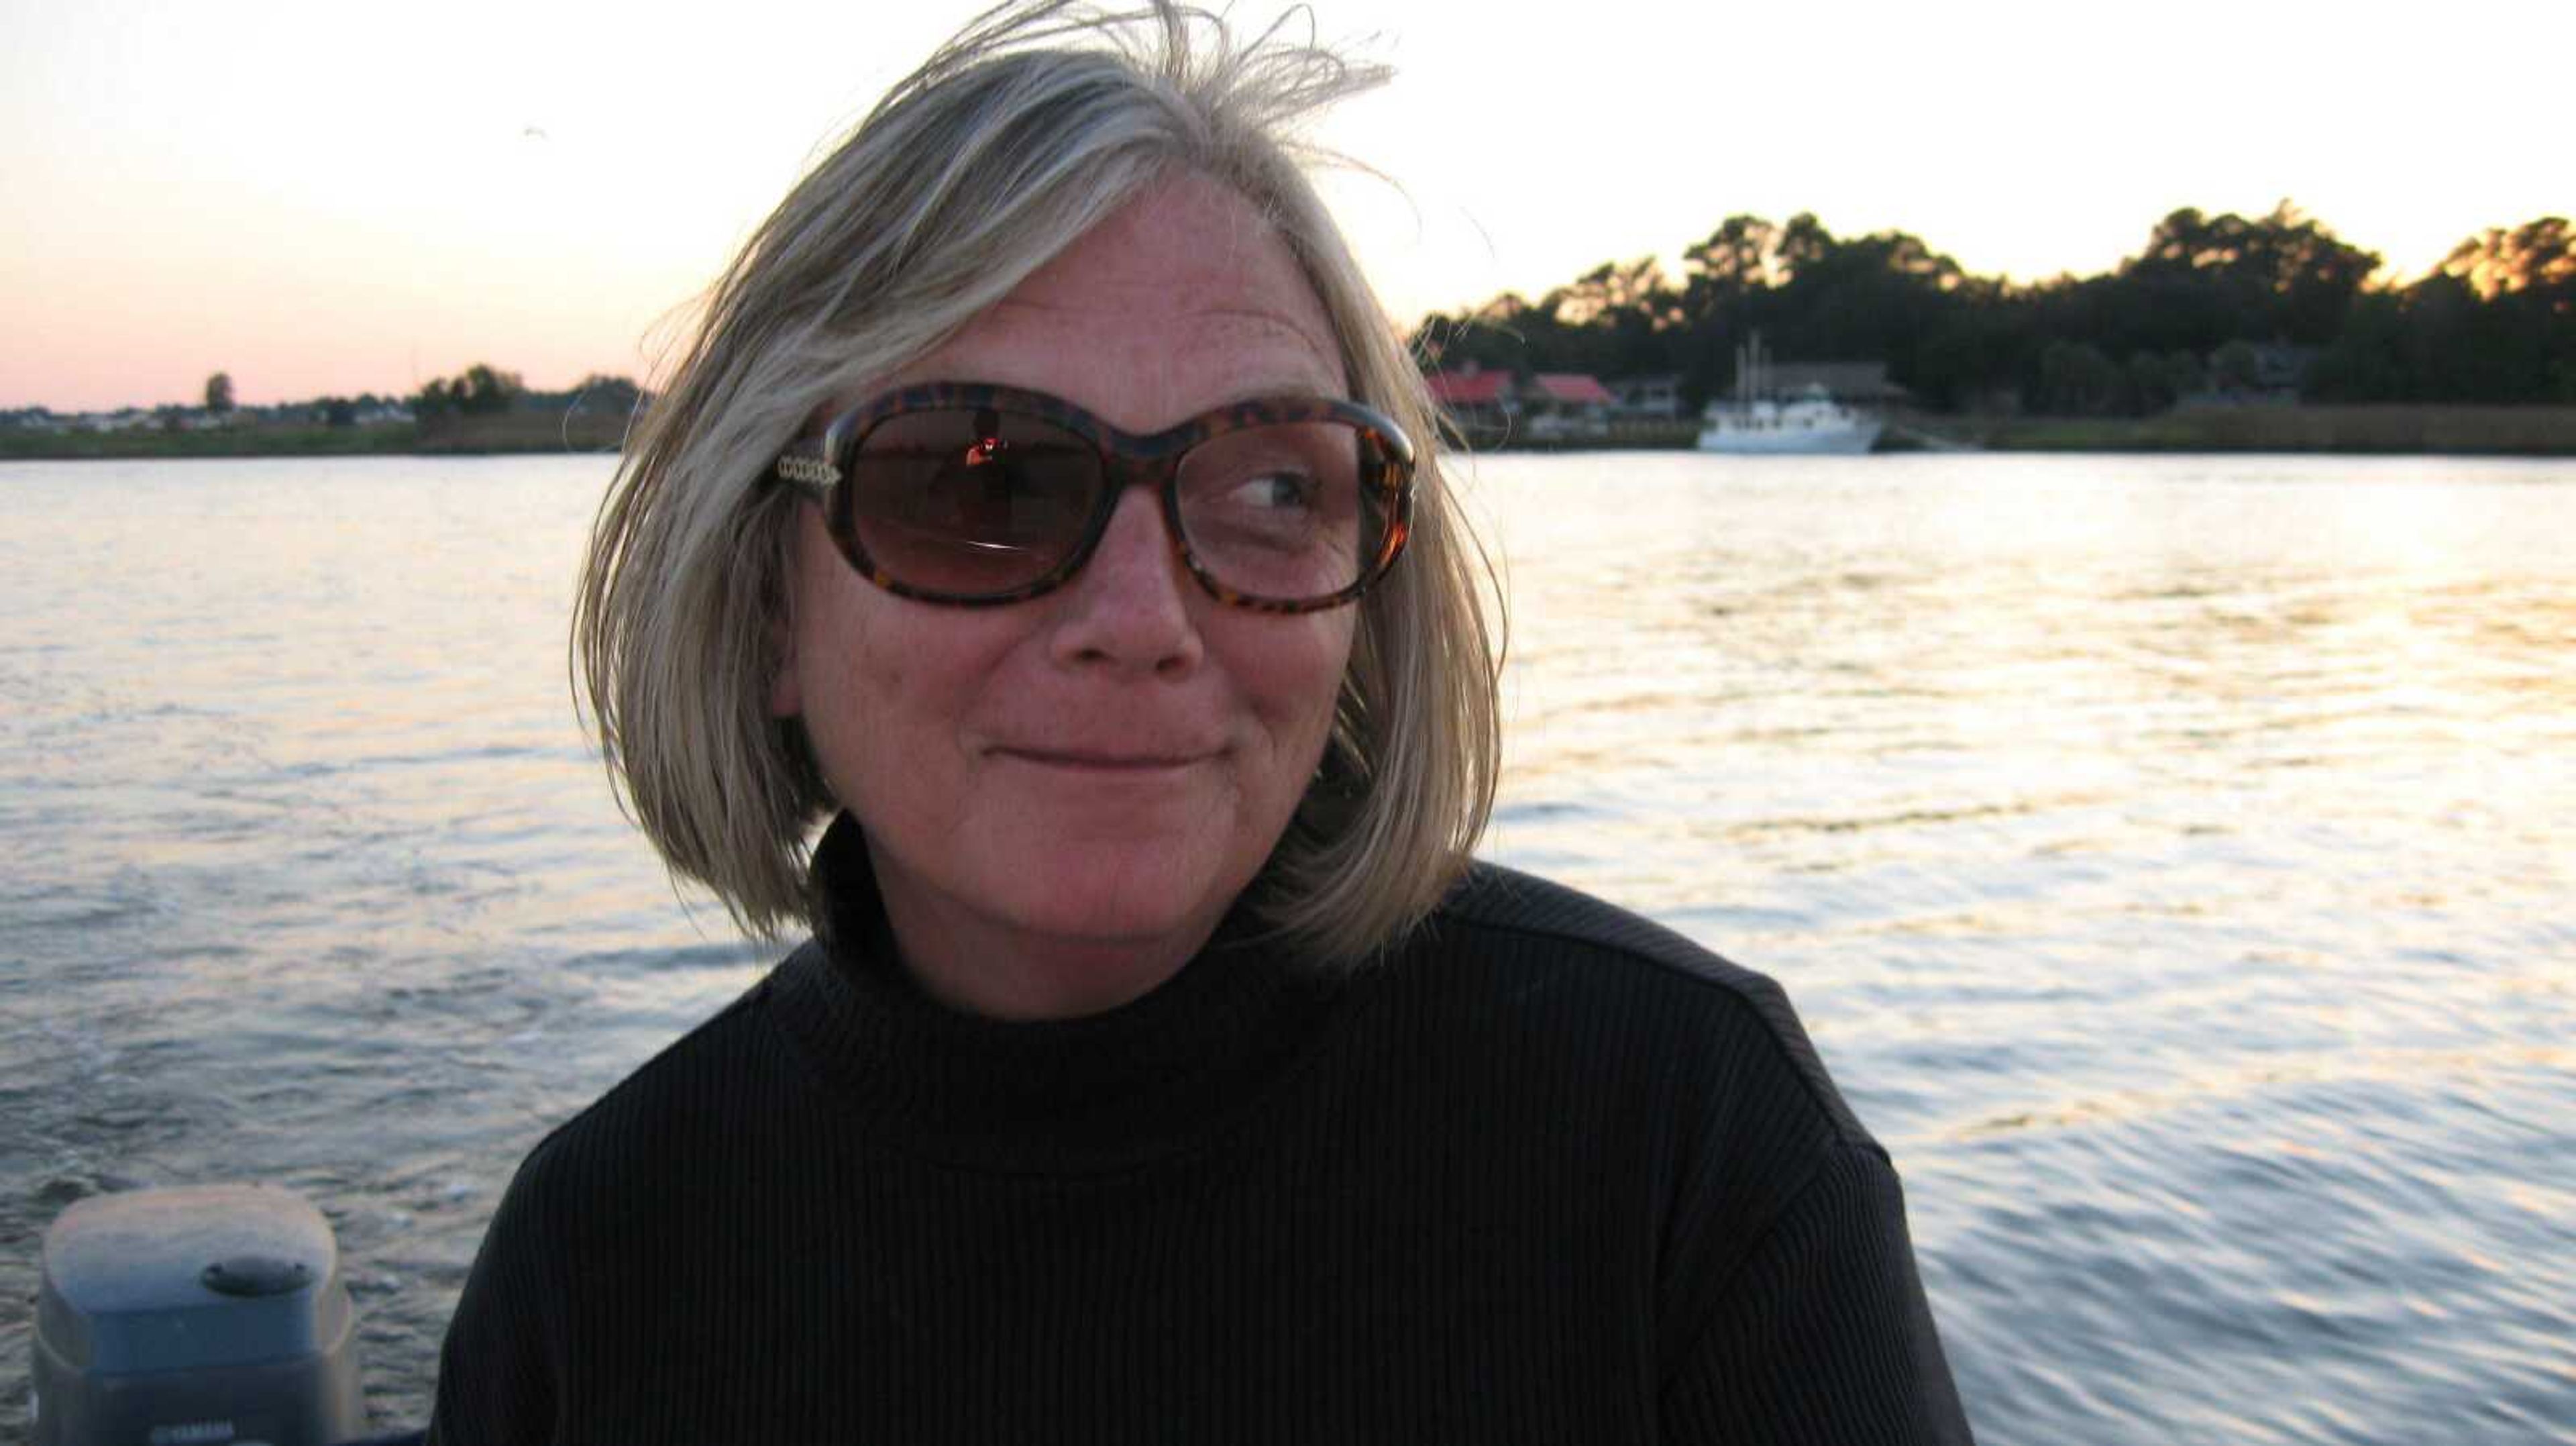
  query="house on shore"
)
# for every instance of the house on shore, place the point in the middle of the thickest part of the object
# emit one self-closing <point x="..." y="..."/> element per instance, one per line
<point x="1480" y="403"/>
<point x="1497" y="408"/>
<point x="1567" y="407"/>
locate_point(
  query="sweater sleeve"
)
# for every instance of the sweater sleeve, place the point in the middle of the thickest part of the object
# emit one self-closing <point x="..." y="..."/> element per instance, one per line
<point x="1822" y="1337"/>
<point x="498" y="1366"/>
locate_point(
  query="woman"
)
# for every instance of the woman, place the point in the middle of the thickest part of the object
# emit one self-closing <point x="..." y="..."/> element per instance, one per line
<point x="1047" y="504"/>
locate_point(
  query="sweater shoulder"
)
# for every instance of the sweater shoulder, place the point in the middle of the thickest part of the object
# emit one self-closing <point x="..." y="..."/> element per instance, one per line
<point x="700" y="1085"/>
<point x="1521" y="928"/>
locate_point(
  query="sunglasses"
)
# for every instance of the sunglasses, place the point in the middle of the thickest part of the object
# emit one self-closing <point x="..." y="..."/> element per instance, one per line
<point x="977" y="495"/>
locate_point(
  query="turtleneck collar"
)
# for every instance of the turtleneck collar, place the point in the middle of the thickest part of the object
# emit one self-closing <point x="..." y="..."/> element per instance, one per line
<point x="1099" y="1092"/>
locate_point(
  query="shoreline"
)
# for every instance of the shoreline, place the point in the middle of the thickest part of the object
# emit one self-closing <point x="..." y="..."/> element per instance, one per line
<point x="513" y="433"/>
<point x="2385" y="429"/>
<point x="2378" y="430"/>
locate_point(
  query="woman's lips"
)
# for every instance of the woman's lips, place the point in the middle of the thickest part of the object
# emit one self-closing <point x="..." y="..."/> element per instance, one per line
<point x="1108" y="761"/>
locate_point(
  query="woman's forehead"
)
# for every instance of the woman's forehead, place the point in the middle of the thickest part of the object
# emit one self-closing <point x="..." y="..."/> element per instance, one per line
<point x="1184" y="299"/>
<point x="1188" y="244"/>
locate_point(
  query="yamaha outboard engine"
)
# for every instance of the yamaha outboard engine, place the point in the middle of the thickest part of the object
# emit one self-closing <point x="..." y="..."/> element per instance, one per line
<point x="208" y="1316"/>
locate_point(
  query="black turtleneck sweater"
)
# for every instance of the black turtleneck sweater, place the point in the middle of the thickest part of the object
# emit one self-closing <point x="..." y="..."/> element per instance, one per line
<point x="1546" y="1173"/>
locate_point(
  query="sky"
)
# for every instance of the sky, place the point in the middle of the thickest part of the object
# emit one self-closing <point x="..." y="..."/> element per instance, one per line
<point x="346" y="197"/>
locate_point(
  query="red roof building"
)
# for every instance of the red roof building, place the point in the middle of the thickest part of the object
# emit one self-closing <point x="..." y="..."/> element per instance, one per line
<point x="1572" y="389"/>
<point x="1471" y="387"/>
<point x="1496" y="408"/>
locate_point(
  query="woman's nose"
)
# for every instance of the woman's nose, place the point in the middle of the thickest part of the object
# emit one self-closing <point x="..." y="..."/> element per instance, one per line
<point x="1134" y="604"/>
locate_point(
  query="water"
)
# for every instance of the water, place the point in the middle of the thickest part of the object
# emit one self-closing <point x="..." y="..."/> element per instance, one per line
<point x="2171" y="856"/>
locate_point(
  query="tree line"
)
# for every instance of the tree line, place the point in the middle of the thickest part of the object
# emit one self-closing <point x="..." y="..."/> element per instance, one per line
<point x="480" y="390"/>
<point x="2192" y="312"/>
<point x="484" y="390"/>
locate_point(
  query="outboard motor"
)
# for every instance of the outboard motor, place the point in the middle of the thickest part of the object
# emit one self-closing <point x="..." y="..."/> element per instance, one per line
<point x="206" y="1316"/>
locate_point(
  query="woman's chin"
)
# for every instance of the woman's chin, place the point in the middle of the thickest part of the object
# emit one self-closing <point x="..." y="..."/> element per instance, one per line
<point x="1165" y="908"/>
<point x="1080" y="932"/>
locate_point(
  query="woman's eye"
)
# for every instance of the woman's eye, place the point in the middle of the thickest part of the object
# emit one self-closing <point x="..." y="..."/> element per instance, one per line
<point x="1275" y="490"/>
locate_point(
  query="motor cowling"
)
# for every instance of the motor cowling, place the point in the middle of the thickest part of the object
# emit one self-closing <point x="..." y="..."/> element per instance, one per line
<point x="203" y="1316"/>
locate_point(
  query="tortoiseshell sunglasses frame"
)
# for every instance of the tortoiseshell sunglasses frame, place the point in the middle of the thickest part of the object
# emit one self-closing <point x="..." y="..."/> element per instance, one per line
<point x="815" y="467"/>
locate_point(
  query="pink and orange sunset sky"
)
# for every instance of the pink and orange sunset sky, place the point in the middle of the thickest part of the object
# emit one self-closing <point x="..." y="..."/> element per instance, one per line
<point x="338" y="198"/>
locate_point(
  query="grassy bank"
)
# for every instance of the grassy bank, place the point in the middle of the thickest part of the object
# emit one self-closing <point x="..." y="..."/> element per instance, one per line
<point x="21" y="445"/>
<point x="508" y="432"/>
<point x="2394" y="430"/>
<point x="2453" y="430"/>
<point x="580" y="431"/>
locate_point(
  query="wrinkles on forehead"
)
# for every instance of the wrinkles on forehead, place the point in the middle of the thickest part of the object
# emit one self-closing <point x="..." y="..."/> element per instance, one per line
<point x="1183" y="300"/>
<point x="1301" y="328"/>
<point x="1194" y="253"/>
<point x="1164" y="359"/>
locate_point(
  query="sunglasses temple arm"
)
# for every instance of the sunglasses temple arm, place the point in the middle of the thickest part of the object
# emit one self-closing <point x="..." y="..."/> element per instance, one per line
<point x="807" y="467"/>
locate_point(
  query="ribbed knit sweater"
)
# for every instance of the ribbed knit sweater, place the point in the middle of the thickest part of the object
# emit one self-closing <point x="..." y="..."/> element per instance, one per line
<point x="1546" y="1173"/>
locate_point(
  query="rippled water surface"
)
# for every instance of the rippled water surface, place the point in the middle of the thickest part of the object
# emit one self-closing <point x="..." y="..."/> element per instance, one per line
<point x="2172" y="858"/>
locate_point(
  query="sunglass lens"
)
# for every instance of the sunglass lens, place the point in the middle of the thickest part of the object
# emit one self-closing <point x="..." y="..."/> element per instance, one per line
<point x="1279" y="512"/>
<point x="971" y="503"/>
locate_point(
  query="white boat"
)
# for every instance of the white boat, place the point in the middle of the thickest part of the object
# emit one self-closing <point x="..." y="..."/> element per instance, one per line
<point x="1759" y="422"/>
<point x="1814" y="423"/>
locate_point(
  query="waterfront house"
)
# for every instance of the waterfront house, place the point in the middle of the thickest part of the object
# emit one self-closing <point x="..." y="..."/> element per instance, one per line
<point x="1492" y="408"/>
<point x="1481" y="403"/>
<point x="1566" y="407"/>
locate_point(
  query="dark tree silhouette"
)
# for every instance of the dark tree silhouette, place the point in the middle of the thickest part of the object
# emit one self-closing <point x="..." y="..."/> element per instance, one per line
<point x="2210" y="302"/>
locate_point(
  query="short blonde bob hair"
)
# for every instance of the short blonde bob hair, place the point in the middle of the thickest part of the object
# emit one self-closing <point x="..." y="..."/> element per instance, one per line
<point x="1029" y="128"/>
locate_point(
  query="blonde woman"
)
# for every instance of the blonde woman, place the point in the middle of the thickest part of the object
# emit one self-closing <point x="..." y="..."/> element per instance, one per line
<point x="1047" y="507"/>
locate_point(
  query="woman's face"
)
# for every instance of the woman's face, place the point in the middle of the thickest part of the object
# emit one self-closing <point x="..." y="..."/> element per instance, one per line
<point x="1063" y="796"/>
